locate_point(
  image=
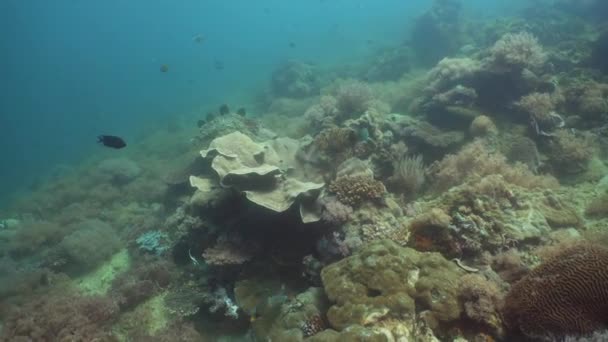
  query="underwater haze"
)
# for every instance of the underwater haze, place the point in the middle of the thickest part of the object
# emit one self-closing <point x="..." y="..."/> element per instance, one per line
<point x="321" y="170"/>
<point x="74" y="70"/>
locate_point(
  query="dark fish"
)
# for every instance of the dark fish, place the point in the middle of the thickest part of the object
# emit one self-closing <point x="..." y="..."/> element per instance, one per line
<point x="241" y="111"/>
<point x="200" y="123"/>
<point x="164" y="68"/>
<point x="224" y="109"/>
<point x="292" y="45"/>
<point x="111" y="141"/>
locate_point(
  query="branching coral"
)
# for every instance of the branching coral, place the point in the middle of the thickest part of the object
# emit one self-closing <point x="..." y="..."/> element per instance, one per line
<point x="353" y="98"/>
<point x="518" y="51"/>
<point x="229" y="250"/>
<point x="354" y="190"/>
<point x="61" y="317"/>
<point x="482" y="300"/>
<point x="564" y="295"/>
<point x="570" y="153"/>
<point x="475" y="161"/>
<point x="334" y="211"/>
<point x="335" y="140"/>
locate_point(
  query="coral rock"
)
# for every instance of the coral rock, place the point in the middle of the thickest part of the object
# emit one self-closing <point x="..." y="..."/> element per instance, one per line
<point x="385" y="281"/>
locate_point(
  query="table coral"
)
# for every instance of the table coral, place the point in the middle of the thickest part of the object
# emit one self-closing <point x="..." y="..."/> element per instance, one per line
<point x="385" y="281"/>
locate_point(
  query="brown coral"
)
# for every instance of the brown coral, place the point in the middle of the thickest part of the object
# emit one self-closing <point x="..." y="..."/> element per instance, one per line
<point x="482" y="300"/>
<point x="335" y="139"/>
<point x="565" y="295"/>
<point x="354" y="190"/>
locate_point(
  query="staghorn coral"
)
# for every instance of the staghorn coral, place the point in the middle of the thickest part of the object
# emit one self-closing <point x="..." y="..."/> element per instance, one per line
<point x="354" y="190"/>
<point x="517" y="51"/>
<point x="566" y="294"/>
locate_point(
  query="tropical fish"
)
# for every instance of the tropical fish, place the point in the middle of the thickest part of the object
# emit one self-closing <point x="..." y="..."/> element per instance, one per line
<point x="111" y="141"/>
<point x="164" y="68"/>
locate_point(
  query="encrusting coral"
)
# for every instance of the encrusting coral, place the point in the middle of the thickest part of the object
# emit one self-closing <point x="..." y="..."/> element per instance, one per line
<point x="384" y="281"/>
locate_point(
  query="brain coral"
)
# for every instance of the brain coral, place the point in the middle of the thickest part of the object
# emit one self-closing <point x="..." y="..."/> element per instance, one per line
<point x="384" y="280"/>
<point x="565" y="295"/>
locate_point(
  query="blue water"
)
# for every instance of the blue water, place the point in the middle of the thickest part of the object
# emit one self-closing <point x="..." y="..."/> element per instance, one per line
<point x="75" y="69"/>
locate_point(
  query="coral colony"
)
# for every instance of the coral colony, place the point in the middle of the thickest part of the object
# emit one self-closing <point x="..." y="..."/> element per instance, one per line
<point x="453" y="188"/>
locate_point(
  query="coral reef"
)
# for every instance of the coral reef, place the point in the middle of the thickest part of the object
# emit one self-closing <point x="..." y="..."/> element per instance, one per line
<point x="229" y="250"/>
<point x="354" y="190"/>
<point x="119" y="170"/>
<point x="564" y="295"/>
<point x="475" y="160"/>
<point x="259" y="170"/>
<point x="482" y="301"/>
<point x="295" y="79"/>
<point x="408" y="282"/>
<point x="91" y="243"/>
<point x="62" y="317"/>
<point x="518" y="51"/>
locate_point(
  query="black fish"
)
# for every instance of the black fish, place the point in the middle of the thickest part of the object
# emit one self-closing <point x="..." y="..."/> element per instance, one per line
<point x="241" y="112"/>
<point x="292" y="45"/>
<point x="111" y="141"/>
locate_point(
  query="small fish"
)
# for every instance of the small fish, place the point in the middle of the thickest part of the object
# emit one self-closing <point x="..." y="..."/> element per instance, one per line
<point x="292" y="45"/>
<point x="218" y="65"/>
<point x="164" y="68"/>
<point x="111" y="141"/>
<point x="241" y="111"/>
